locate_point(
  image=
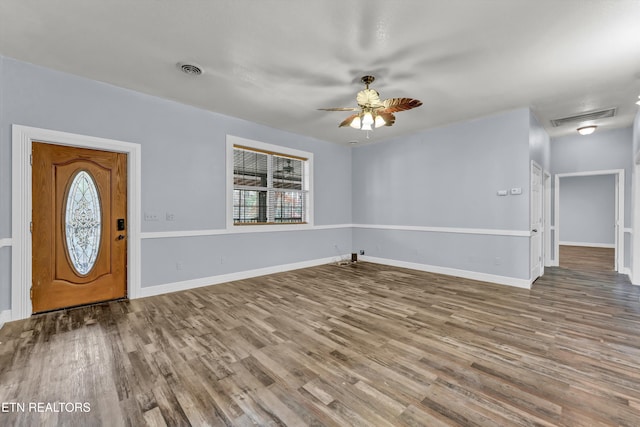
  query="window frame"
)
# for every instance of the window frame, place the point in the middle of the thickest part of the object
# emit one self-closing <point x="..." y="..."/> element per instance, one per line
<point x="235" y="141"/>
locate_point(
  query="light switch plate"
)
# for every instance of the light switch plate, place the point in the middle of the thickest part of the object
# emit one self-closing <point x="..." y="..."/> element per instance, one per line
<point x="516" y="191"/>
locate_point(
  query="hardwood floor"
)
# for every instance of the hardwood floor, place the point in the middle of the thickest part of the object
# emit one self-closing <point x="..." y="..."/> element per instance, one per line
<point x="586" y="258"/>
<point x="364" y="345"/>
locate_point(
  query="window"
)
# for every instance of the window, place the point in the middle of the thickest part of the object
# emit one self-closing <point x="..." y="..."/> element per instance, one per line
<point x="270" y="184"/>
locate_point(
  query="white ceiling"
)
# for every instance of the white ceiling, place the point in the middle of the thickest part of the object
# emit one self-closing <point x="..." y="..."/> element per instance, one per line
<point x="276" y="61"/>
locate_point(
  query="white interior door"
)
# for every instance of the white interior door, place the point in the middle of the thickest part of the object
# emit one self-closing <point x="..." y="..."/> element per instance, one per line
<point x="536" y="222"/>
<point x="546" y="220"/>
<point x="616" y="240"/>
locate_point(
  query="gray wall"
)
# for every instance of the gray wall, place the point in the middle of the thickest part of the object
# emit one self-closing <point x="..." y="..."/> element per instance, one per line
<point x="444" y="177"/>
<point x="447" y="177"/>
<point x="602" y="150"/>
<point x="539" y="143"/>
<point x="587" y="209"/>
<point x="183" y="172"/>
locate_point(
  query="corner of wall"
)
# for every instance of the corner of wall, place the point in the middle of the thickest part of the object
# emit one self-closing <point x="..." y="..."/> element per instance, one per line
<point x="5" y="316"/>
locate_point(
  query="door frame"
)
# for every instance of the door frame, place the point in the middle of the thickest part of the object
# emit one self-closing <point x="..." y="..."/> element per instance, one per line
<point x="635" y="234"/>
<point x="619" y="213"/>
<point x="21" y="199"/>
<point x="542" y="232"/>
<point x="546" y="218"/>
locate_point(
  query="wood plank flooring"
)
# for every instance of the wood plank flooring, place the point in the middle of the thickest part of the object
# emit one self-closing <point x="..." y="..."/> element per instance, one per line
<point x="361" y="345"/>
<point x="586" y="258"/>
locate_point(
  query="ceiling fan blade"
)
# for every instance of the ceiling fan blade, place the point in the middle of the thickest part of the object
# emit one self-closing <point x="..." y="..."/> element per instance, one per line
<point x="339" y="109"/>
<point x="348" y="120"/>
<point x="389" y="119"/>
<point x="393" y="105"/>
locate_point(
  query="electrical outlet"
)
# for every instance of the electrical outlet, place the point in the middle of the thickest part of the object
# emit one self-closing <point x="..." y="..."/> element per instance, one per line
<point x="223" y="259"/>
<point x="170" y="216"/>
<point x="179" y="265"/>
<point x="151" y="216"/>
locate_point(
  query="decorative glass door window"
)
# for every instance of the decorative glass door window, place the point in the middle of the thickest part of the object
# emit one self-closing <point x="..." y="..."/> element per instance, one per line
<point x="268" y="188"/>
<point x="83" y="222"/>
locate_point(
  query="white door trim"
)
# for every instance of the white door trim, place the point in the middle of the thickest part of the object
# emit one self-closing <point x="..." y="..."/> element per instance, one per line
<point x="619" y="209"/>
<point x="540" y="231"/>
<point x="21" y="191"/>
<point x="546" y="177"/>
<point x="635" y="233"/>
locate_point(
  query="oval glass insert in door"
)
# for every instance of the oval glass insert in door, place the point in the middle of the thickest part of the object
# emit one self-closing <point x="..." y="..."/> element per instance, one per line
<point x="83" y="222"/>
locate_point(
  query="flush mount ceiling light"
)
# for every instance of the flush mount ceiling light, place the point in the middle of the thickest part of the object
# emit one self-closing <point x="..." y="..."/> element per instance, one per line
<point x="372" y="112"/>
<point x="191" y="69"/>
<point x="587" y="130"/>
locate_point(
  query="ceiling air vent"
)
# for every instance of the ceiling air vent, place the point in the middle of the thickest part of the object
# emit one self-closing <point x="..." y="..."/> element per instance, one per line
<point x="190" y="69"/>
<point x="585" y="117"/>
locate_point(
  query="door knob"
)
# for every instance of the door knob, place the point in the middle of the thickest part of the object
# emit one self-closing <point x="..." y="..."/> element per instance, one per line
<point x="120" y="237"/>
<point x="535" y="230"/>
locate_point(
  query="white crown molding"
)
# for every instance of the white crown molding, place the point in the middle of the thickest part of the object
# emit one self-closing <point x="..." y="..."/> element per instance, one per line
<point x="474" y="275"/>
<point x="239" y="230"/>
<point x="230" y="277"/>
<point x="5" y="243"/>
<point x="457" y="230"/>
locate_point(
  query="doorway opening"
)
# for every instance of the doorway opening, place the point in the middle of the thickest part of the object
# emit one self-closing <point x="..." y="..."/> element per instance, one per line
<point x="23" y="138"/>
<point x="582" y="241"/>
<point x="79" y="226"/>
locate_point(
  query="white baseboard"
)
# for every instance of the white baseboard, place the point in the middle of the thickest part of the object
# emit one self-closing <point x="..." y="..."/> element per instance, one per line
<point x="5" y="316"/>
<point x="589" y="245"/>
<point x="474" y="275"/>
<point x="230" y="277"/>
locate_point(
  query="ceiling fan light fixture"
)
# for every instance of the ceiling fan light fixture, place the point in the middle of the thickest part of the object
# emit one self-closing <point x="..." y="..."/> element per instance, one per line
<point x="372" y="111"/>
<point x="367" y="119"/>
<point x="587" y="130"/>
<point x="380" y="122"/>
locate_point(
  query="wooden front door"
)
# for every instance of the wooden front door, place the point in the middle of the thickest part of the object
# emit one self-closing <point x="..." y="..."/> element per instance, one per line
<point x="79" y="226"/>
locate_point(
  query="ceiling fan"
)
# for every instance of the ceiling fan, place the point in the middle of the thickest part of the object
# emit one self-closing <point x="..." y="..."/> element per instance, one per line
<point x="372" y="111"/>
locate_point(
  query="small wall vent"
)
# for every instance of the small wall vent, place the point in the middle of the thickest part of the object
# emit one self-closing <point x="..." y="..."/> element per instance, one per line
<point x="584" y="117"/>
